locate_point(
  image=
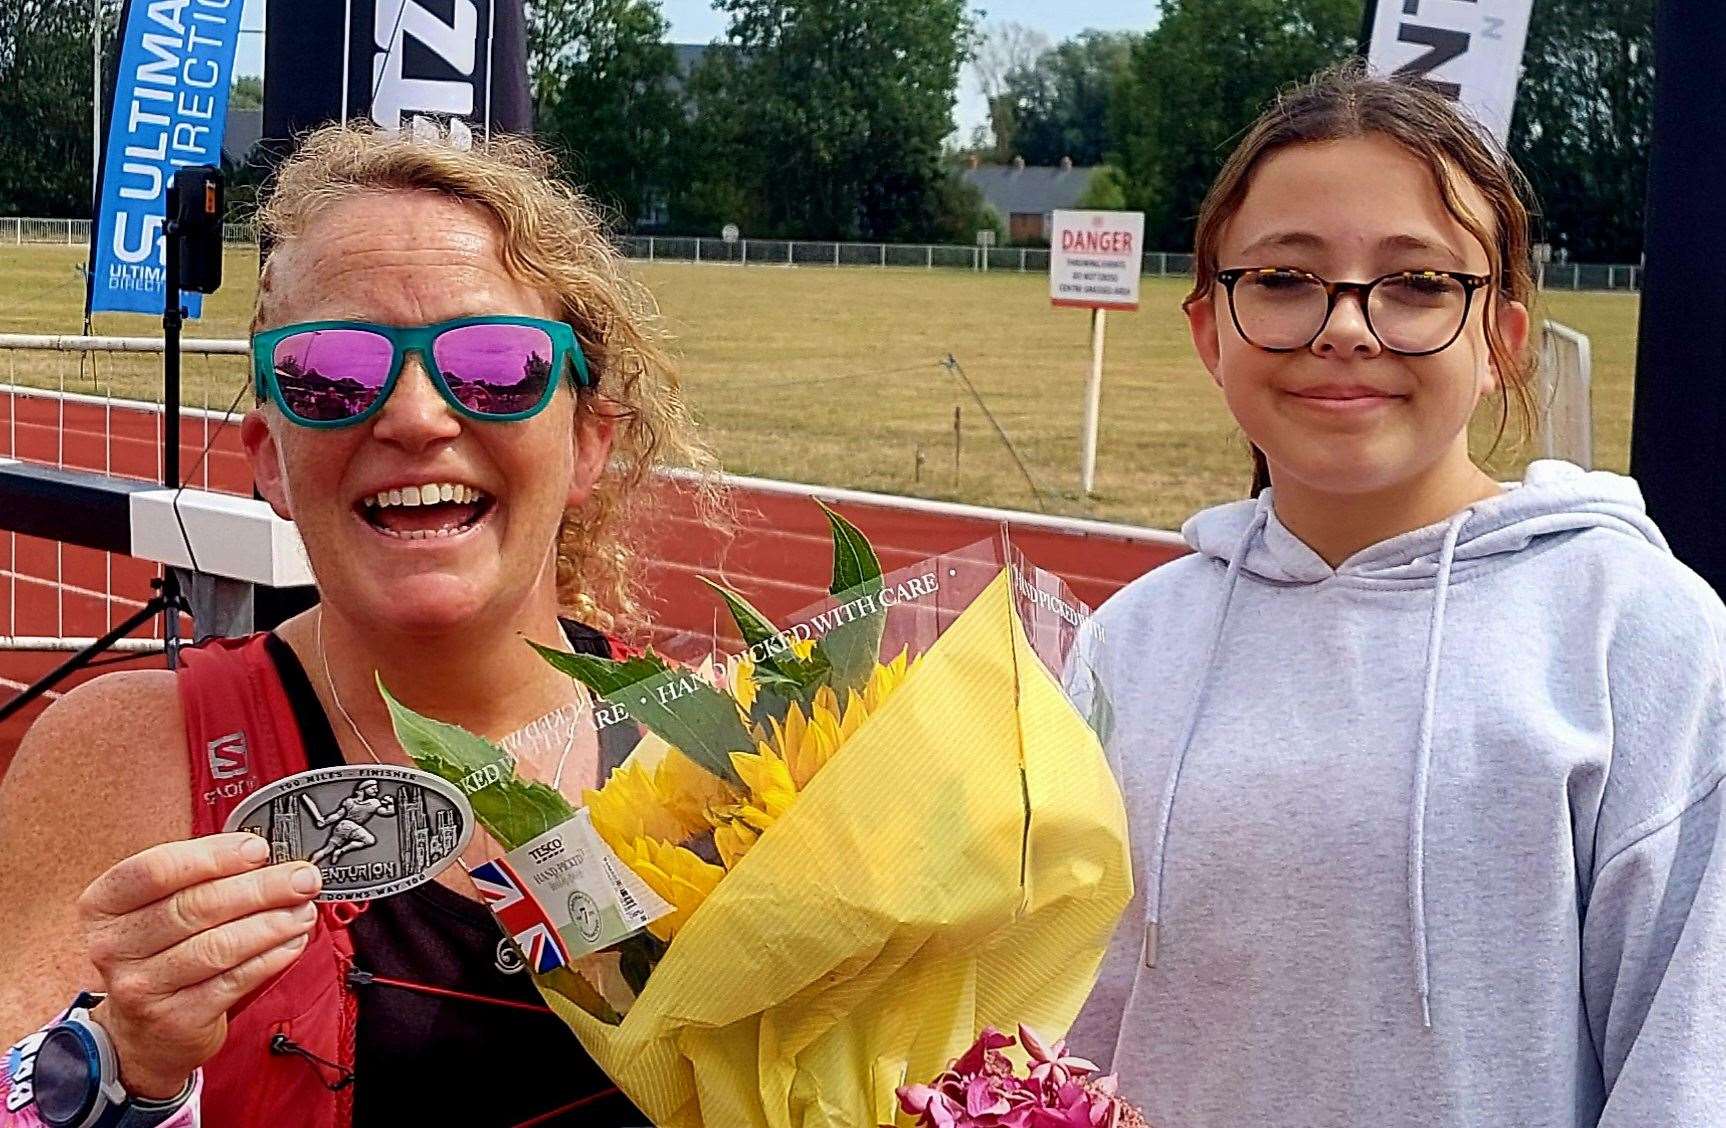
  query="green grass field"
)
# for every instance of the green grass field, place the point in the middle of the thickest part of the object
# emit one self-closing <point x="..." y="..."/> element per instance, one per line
<point x="835" y="377"/>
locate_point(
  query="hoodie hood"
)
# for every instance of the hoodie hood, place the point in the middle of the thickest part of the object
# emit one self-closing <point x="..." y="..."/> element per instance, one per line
<point x="1556" y="498"/>
<point x="1553" y="499"/>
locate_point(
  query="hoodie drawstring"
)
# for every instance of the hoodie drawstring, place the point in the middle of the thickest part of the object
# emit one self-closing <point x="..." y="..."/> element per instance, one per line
<point x="1423" y="753"/>
<point x="1422" y="769"/>
<point x="1154" y="895"/>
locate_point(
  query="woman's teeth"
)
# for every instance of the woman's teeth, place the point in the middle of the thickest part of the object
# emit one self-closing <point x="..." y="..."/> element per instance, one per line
<point x="429" y="494"/>
<point x="425" y="512"/>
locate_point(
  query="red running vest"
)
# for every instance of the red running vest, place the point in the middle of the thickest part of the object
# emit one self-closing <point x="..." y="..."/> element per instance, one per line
<point x="290" y="1048"/>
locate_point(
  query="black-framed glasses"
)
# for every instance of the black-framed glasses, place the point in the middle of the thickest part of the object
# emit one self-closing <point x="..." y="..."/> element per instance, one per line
<point x="1410" y="312"/>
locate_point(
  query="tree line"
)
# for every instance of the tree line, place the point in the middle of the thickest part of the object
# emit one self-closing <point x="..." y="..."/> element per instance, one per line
<point x="832" y="119"/>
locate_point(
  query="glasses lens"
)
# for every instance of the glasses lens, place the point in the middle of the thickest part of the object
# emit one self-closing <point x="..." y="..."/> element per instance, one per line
<point x="1417" y="312"/>
<point x="495" y="369"/>
<point x="328" y="375"/>
<point x="1279" y="309"/>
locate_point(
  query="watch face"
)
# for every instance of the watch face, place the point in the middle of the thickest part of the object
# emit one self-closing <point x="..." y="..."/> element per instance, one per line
<point x="66" y="1076"/>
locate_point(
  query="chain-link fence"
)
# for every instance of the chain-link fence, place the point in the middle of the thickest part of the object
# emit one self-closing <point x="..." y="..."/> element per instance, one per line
<point x="783" y="252"/>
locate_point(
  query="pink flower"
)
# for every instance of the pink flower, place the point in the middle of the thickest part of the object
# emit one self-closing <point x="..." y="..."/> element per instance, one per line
<point x="1051" y="1065"/>
<point x="981" y="1090"/>
<point x="984" y="1053"/>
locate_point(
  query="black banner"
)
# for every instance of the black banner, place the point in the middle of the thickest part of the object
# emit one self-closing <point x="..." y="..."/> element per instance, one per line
<point x="454" y="63"/>
<point x="1680" y="419"/>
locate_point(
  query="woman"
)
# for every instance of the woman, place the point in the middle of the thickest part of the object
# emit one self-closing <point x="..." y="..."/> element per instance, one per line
<point x="1423" y="773"/>
<point x="464" y="397"/>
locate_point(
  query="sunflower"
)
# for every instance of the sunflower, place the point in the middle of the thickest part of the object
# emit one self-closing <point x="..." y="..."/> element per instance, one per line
<point x="793" y="753"/>
<point x="676" y="874"/>
<point x="631" y="806"/>
<point x="744" y="687"/>
<point x="806" y="743"/>
<point x="771" y="793"/>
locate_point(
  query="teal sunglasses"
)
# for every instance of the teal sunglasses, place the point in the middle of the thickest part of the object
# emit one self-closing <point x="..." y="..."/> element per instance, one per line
<point x="494" y="369"/>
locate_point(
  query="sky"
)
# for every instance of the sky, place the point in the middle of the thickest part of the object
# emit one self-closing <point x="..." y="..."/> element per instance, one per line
<point x="695" y="21"/>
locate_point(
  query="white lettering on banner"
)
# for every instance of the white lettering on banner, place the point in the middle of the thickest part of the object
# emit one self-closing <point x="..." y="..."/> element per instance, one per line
<point x="167" y="77"/>
<point x="150" y="236"/>
<point x="1095" y="259"/>
<point x="1469" y="49"/>
<point x="456" y="44"/>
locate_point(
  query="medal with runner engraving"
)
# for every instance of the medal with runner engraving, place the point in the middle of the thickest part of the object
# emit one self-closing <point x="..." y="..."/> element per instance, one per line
<point x="374" y="830"/>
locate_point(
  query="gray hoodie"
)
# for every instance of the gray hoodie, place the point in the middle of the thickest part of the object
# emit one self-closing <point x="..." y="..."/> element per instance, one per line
<point x="1435" y="837"/>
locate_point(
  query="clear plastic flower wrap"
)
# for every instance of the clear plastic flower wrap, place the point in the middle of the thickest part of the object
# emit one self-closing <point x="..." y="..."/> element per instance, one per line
<point x="829" y="858"/>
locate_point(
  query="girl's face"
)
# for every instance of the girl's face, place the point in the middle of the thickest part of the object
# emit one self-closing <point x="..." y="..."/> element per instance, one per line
<point x="1346" y="415"/>
<point x="415" y="258"/>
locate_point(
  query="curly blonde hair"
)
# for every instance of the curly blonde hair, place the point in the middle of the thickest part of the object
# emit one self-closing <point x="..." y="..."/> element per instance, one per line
<point x="553" y="239"/>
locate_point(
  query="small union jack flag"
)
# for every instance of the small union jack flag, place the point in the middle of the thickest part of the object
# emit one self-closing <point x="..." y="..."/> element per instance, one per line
<point x="521" y="916"/>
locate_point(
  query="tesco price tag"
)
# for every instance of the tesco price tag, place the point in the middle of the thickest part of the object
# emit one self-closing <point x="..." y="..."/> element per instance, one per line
<point x="565" y="894"/>
<point x="1095" y="258"/>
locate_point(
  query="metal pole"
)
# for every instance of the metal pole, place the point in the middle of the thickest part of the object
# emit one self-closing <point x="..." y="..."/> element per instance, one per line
<point x="95" y="100"/>
<point x="1093" y="402"/>
<point x="173" y="317"/>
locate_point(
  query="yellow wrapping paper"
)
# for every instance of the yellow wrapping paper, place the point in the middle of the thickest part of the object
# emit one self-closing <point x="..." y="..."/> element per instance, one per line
<point x="960" y="863"/>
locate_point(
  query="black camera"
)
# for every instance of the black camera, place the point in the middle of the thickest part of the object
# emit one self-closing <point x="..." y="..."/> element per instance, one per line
<point x="195" y="210"/>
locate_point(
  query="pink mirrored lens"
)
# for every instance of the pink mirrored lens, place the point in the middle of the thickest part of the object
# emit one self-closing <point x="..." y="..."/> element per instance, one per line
<point x="495" y="369"/>
<point x="328" y="375"/>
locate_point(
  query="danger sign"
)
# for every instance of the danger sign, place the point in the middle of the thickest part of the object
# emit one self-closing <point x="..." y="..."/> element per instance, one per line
<point x="1095" y="258"/>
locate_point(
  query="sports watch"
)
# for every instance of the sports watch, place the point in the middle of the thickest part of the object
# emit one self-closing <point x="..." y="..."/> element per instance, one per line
<point x="77" y="1077"/>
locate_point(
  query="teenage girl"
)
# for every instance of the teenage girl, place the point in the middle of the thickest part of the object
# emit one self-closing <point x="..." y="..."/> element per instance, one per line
<point x="1424" y="773"/>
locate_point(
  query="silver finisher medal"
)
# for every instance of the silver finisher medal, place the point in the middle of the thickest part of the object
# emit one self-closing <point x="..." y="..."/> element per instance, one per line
<point x="373" y="829"/>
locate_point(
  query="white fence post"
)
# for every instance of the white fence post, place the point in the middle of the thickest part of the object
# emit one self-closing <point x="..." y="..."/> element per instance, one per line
<point x="883" y="256"/>
<point x="929" y="256"/>
<point x="650" y="248"/>
<point x="788" y="245"/>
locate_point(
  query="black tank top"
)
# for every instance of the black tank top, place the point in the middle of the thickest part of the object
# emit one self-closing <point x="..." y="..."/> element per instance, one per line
<point x="421" y="1058"/>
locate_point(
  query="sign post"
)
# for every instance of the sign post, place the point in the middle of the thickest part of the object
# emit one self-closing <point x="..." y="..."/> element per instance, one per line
<point x="1095" y="259"/>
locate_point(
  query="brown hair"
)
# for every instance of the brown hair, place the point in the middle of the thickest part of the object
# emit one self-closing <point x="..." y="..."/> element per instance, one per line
<point x="1345" y="101"/>
<point x="554" y="240"/>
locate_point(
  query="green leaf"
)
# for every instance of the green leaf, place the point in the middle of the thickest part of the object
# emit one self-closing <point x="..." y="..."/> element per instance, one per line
<point x="780" y="667"/>
<point x="680" y="708"/>
<point x="854" y="562"/>
<point x="853" y="648"/>
<point x="512" y="810"/>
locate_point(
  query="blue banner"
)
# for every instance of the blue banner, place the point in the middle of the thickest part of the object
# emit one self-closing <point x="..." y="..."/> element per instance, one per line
<point x="170" y="106"/>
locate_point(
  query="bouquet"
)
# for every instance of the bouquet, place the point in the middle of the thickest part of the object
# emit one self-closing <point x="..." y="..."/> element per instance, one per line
<point x="981" y="1090"/>
<point x="829" y="859"/>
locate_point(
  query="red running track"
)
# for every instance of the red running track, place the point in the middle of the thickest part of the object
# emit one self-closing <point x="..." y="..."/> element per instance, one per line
<point x="778" y="558"/>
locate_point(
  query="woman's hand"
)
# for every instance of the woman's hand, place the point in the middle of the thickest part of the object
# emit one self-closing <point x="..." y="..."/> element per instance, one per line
<point x="180" y="933"/>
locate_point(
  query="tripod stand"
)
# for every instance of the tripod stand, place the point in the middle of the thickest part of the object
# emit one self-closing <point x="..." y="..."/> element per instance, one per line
<point x="168" y="600"/>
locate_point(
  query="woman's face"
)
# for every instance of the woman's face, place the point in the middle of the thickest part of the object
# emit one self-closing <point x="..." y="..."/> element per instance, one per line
<point x="406" y="259"/>
<point x="1345" y="415"/>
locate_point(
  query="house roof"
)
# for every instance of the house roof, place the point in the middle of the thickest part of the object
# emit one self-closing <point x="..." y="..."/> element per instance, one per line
<point x="1034" y="189"/>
